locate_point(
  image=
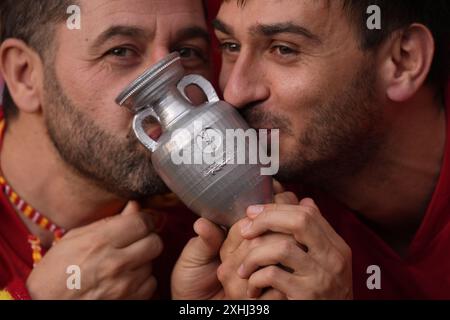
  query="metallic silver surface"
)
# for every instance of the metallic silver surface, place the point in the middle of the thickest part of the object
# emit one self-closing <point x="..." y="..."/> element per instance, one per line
<point x="201" y="82"/>
<point x="220" y="191"/>
<point x="139" y="130"/>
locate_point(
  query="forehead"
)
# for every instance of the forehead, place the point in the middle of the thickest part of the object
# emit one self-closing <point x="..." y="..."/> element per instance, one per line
<point x="321" y="16"/>
<point x="100" y="14"/>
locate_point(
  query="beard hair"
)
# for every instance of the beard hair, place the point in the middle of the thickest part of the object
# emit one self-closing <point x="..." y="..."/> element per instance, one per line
<point x="121" y="166"/>
<point x="343" y="135"/>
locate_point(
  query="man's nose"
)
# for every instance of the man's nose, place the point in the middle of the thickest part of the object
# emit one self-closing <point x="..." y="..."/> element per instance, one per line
<point x="246" y="84"/>
<point x="157" y="54"/>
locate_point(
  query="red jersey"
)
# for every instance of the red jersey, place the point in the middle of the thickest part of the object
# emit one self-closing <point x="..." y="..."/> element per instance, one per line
<point x="16" y="254"/>
<point x="424" y="272"/>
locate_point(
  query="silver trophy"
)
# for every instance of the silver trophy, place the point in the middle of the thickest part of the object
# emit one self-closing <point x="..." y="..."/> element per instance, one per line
<point x="218" y="189"/>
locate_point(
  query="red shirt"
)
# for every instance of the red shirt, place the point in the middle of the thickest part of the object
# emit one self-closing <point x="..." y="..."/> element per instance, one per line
<point x="424" y="273"/>
<point x="16" y="254"/>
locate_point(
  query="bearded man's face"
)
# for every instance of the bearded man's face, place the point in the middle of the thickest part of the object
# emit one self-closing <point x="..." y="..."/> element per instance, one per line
<point x="91" y="66"/>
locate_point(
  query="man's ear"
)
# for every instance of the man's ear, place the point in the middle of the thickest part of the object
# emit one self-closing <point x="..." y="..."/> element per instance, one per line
<point x="407" y="61"/>
<point x="21" y="68"/>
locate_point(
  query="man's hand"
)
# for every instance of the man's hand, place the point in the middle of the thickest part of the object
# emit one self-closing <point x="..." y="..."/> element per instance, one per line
<point x="114" y="256"/>
<point x="317" y="265"/>
<point x="236" y="248"/>
<point x="233" y="254"/>
<point x="194" y="276"/>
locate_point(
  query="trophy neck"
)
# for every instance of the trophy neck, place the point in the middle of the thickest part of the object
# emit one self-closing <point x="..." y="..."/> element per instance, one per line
<point x="171" y="107"/>
<point x="156" y="88"/>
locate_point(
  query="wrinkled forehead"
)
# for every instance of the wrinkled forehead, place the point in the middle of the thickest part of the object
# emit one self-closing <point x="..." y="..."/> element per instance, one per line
<point x="306" y="4"/>
<point x="320" y="16"/>
<point x="97" y="15"/>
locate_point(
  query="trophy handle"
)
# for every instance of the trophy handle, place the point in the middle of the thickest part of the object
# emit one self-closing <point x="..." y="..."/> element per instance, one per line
<point x="139" y="129"/>
<point x="200" y="82"/>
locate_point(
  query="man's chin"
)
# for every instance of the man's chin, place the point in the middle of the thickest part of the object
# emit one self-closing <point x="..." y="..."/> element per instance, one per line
<point x="288" y="174"/>
<point x="139" y="184"/>
<point x="143" y="192"/>
<point x="298" y="171"/>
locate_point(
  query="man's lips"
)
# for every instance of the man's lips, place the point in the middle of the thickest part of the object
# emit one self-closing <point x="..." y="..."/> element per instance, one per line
<point x="154" y="132"/>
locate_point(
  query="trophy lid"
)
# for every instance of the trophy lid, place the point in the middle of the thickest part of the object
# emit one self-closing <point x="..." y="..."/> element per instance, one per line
<point x="152" y="84"/>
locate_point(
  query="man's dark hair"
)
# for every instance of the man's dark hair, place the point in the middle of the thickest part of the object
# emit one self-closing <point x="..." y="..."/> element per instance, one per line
<point x="398" y="14"/>
<point x="31" y="21"/>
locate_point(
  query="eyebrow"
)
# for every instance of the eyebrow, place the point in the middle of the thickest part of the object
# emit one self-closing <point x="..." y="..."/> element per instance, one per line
<point x="113" y="31"/>
<point x="222" y="27"/>
<point x="269" y="30"/>
<point x="136" y="32"/>
<point x="192" y="33"/>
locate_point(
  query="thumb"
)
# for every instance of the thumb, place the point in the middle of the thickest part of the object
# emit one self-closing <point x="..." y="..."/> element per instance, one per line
<point x="308" y="202"/>
<point x="131" y="208"/>
<point x="210" y="239"/>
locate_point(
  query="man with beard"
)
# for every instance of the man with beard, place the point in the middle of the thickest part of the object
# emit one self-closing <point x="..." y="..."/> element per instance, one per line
<point x="72" y="172"/>
<point x="364" y="137"/>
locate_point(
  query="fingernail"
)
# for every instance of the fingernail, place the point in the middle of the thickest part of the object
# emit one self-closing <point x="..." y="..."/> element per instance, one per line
<point x="255" y="210"/>
<point x="241" y="271"/>
<point x="307" y="201"/>
<point x="246" y="227"/>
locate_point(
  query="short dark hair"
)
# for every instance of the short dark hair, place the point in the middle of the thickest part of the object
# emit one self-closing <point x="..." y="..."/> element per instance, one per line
<point x="398" y="14"/>
<point x="31" y="21"/>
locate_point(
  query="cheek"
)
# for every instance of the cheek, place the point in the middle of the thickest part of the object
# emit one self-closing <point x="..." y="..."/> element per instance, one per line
<point x="224" y="76"/>
<point x="94" y="95"/>
<point x="295" y="101"/>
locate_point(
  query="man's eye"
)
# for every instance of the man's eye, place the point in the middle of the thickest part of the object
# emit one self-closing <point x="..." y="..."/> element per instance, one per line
<point x="284" y="50"/>
<point x="189" y="53"/>
<point x="230" y="47"/>
<point x="121" y="52"/>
